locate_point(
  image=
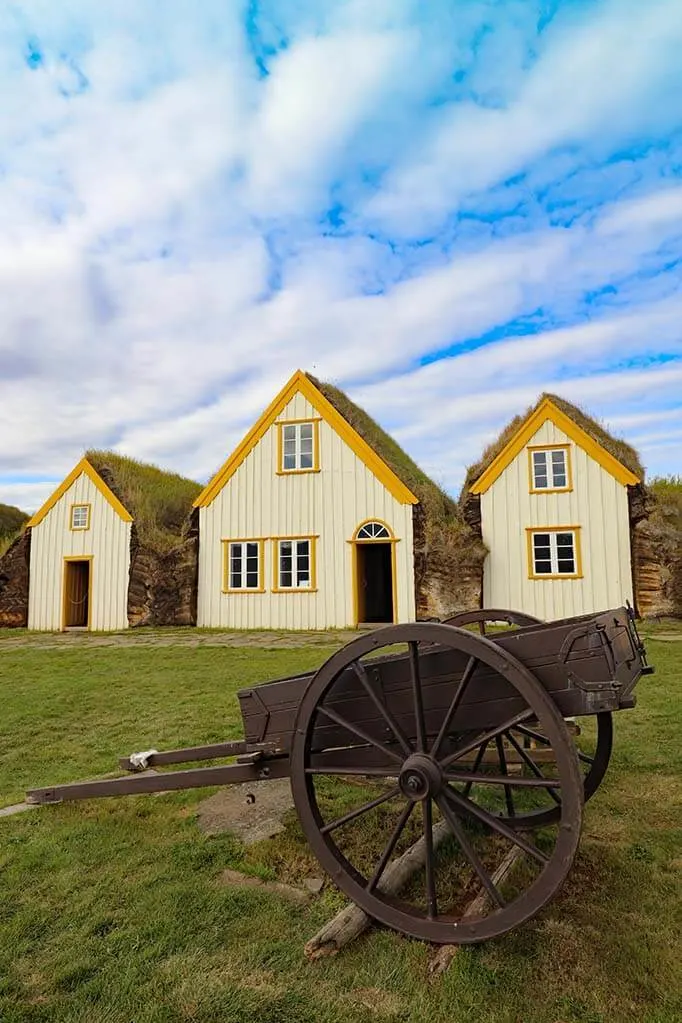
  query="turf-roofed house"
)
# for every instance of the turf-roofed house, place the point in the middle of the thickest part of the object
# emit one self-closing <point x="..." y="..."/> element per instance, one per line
<point x="111" y="547"/>
<point x="319" y="520"/>
<point x="556" y="499"/>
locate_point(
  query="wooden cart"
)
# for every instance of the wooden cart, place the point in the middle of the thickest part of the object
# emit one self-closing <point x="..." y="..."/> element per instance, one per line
<point x="434" y="734"/>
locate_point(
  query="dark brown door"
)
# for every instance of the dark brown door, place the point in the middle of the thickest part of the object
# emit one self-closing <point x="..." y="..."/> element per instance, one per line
<point x="76" y="594"/>
<point x="375" y="582"/>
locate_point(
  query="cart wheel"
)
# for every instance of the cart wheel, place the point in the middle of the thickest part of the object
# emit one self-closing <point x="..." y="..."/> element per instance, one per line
<point x="404" y="722"/>
<point x="483" y="616"/>
<point x="525" y="743"/>
<point x="594" y="753"/>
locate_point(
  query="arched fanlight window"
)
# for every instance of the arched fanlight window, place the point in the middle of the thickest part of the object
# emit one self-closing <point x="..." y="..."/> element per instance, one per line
<point x="373" y="531"/>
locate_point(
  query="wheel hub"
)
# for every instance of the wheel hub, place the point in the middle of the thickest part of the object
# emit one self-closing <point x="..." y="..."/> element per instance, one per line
<point x="421" y="777"/>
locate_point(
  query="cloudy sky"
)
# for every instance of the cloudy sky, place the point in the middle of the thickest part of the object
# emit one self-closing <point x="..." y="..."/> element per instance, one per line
<point x="445" y="208"/>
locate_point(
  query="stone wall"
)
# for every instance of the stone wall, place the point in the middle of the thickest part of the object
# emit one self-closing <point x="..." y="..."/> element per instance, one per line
<point x="163" y="584"/>
<point x="14" y="573"/>
<point x="448" y="567"/>
<point x="657" y="563"/>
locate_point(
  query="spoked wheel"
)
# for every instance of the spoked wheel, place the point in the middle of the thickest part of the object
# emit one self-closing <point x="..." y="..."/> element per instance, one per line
<point x="532" y="750"/>
<point x="594" y="744"/>
<point x="377" y="766"/>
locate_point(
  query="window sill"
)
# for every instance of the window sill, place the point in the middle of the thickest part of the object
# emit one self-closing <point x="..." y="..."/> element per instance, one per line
<point x="245" y="590"/>
<point x="296" y="472"/>
<point x="563" y="575"/>
<point x="551" y="490"/>
<point x="293" y="589"/>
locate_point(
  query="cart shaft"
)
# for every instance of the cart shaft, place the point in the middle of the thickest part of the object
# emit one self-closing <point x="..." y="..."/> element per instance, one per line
<point x="255" y="769"/>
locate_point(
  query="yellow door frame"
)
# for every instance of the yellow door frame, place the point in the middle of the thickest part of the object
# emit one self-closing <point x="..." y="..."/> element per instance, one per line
<point x="354" y="544"/>
<point x="67" y="561"/>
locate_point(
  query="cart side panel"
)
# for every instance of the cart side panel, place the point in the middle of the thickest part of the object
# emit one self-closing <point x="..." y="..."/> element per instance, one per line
<point x="583" y="663"/>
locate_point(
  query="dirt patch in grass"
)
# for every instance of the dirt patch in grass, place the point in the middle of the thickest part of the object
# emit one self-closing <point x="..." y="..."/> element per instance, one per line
<point x="380" y="1002"/>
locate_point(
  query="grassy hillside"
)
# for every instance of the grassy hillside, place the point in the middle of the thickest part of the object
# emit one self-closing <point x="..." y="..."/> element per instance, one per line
<point x="159" y="501"/>
<point x="11" y="521"/>
<point x="668" y="493"/>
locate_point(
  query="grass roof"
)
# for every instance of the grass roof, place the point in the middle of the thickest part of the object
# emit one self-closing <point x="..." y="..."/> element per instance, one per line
<point x="436" y="503"/>
<point x="159" y="501"/>
<point x="617" y="447"/>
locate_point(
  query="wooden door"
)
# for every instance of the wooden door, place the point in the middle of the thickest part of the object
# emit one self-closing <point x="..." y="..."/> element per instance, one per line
<point x="76" y="594"/>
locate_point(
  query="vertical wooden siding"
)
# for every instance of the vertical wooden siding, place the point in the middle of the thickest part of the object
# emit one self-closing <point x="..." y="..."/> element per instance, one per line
<point x="597" y="503"/>
<point x="332" y="503"/>
<point x="107" y="541"/>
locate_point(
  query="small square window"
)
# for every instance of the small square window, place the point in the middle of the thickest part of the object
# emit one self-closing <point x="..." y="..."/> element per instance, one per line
<point x="554" y="553"/>
<point x="80" y="516"/>
<point x="298" y="447"/>
<point x="549" y="469"/>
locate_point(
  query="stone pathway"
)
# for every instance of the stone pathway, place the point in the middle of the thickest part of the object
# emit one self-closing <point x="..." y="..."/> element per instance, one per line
<point x="188" y="637"/>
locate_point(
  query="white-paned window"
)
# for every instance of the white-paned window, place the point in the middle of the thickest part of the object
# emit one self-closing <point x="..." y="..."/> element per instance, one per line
<point x="373" y="531"/>
<point x="549" y="469"/>
<point x="80" y="516"/>
<point x="298" y="447"/>
<point x="295" y="566"/>
<point x="244" y="565"/>
<point x="554" y="553"/>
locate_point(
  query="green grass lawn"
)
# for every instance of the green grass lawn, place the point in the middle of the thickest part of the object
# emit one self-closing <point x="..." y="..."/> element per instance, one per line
<point x="113" y="910"/>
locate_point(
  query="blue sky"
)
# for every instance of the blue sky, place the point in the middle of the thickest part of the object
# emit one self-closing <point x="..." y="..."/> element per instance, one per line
<point x="443" y="208"/>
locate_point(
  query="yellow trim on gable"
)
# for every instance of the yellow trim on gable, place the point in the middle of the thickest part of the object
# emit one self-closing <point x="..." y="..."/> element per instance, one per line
<point x="300" y="383"/>
<point x="547" y="410"/>
<point x="94" y="477"/>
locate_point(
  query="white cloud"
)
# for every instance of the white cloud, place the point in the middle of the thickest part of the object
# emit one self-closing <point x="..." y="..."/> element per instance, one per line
<point x="163" y="268"/>
<point x="318" y="93"/>
<point x="609" y="75"/>
<point x="27" y="496"/>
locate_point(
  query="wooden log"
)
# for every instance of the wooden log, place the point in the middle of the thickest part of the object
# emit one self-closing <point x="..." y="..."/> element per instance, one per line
<point x="446" y="953"/>
<point x="350" y="922"/>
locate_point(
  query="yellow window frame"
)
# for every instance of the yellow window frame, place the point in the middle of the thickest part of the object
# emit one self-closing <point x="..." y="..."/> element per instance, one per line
<point x="80" y="504"/>
<point x="260" y="540"/>
<point x="276" y="588"/>
<point x="281" y="423"/>
<point x="569" y="469"/>
<point x="577" y="552"/>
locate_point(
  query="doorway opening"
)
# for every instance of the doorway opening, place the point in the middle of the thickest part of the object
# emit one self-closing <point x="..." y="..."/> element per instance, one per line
<point x="374" y="574"/>
<point x="77" y="578"/>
